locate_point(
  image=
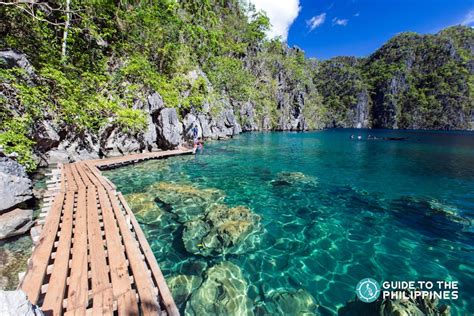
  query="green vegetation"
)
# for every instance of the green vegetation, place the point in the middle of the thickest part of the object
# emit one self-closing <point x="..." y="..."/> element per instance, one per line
<point x="201" y="52"/>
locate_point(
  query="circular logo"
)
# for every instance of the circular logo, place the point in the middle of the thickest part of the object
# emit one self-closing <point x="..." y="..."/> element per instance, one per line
<point x="368" y="290"/>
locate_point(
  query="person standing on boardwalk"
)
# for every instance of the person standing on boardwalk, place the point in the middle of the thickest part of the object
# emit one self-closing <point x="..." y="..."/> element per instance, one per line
<point x="195" y="138"/>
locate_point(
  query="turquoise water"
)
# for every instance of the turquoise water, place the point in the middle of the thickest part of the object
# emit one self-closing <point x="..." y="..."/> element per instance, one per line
<point x="333" y="211"/>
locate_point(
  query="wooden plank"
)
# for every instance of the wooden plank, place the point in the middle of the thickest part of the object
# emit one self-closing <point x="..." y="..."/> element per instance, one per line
<point x="163" y="288"/>
<point x="111" y="283"/>
<point x="117" y="261"/>
<point x="53" y="300"/>
<point x="127" y="304"/>
<point x="77" y="178"/>
<point x="78" y="285"/>
<point x="148" y="298"/>
<point x="63" y="178"/>
<point x="33" y="280"/>
<point x="101" y="286"/>
<point x="93" y="171"/>
<point x="85" y="178"/>
<point x="103" y="302"/>
<point x="81" y="311"/>
<point x="70" y="183"/>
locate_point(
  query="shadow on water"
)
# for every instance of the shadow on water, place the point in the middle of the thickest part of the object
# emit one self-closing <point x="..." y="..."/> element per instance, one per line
<point x="429" y="219"/>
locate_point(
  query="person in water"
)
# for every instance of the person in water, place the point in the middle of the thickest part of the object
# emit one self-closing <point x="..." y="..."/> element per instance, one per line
<point x="198" y="145"/>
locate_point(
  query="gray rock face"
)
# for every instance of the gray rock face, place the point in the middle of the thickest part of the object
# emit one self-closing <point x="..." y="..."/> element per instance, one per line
<point x="189" y="121"/>
<point x="266" y="123"/>
<point x="83" y="147"/>
<point x="16" y="222"/>
<point x="361" y="109"/>
<point x="16" y="303"/>
<point x="225" y="125"/>
<point x="385" y="109"/>
<point x="15" y="186"/>
<point x="150" y="136"/>
<point x="46" y="136"/>
<point x="155" y="102"/>
<point x="247" y="114"/>
<point x="152" y="105"/>
<point x="205" y="126"/>
<point x="114" y="142"/>
<point x="169" y="129"/>
<point x="11" y="59"/>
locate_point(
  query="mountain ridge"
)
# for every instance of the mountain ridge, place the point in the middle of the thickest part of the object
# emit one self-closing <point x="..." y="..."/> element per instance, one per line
<point x="137" y="77"/>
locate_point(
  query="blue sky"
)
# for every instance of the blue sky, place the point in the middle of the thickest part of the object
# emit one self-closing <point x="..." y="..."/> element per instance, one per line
<point x="328" y="28"/>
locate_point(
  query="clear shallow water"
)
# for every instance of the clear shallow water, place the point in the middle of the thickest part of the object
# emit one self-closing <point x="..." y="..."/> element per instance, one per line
<point x="390" y="210"/>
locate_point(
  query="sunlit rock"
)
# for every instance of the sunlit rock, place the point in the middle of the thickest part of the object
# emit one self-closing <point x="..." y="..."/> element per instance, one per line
<point x="182" y="286"/>
<point x="224" y="292"/>
<point x="145" y="209"/>
<point x="223" y="230"/>
<point x="395" y="307"/>
<point x="186" y="201"/>
<point x="291" y="302"/>
<point x="290" y="178"/>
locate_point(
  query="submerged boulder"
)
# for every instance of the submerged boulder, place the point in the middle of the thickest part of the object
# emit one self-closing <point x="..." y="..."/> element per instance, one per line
<point x="144" y="208"/>
<point x="182" y="286"/>
<point x="290" y="178"/>
<point x="395" y="307"/>
<point x="14" y="255"/>
<point x="186" y="201"/>
<point x="15" y="186"/>
<point x="410" y="307"/>
<point x="222" y="230"/>
<point x="224" y="292"/>
<point x="290" y="302"/>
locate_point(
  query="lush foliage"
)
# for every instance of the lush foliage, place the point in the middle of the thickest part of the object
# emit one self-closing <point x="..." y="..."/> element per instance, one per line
<point x="196" y="54"/>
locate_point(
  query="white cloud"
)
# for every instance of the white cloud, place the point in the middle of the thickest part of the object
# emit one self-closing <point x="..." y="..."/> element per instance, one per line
<point x="316" y="21"/>
<point x="341" y="22"/>
<point x="281" y="14"/>
<point x="469" y="18"/>
<point x="357" y="14"/>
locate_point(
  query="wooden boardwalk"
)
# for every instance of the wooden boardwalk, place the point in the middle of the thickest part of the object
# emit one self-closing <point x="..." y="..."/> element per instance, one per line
<point x="91" y="256"/>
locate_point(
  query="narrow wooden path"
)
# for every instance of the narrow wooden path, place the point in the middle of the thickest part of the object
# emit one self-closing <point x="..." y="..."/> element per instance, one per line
<point x="92" y="256"/>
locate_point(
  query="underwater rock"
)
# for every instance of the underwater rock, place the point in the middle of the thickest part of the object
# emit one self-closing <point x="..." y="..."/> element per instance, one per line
<point x="224" y="292"/>
<point x="289" y="178"/>
<point x="223" y="230"/>
<point x="392" y="307"/>
<point x="430" y="218"/>
<point x="182" y="286"/>
<point x="12" y="263"/>
<point x="291" y="302"/>
<point x="144" y="208"/>
<point x="420" y="307"/>
<point x="186" y="201"/>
